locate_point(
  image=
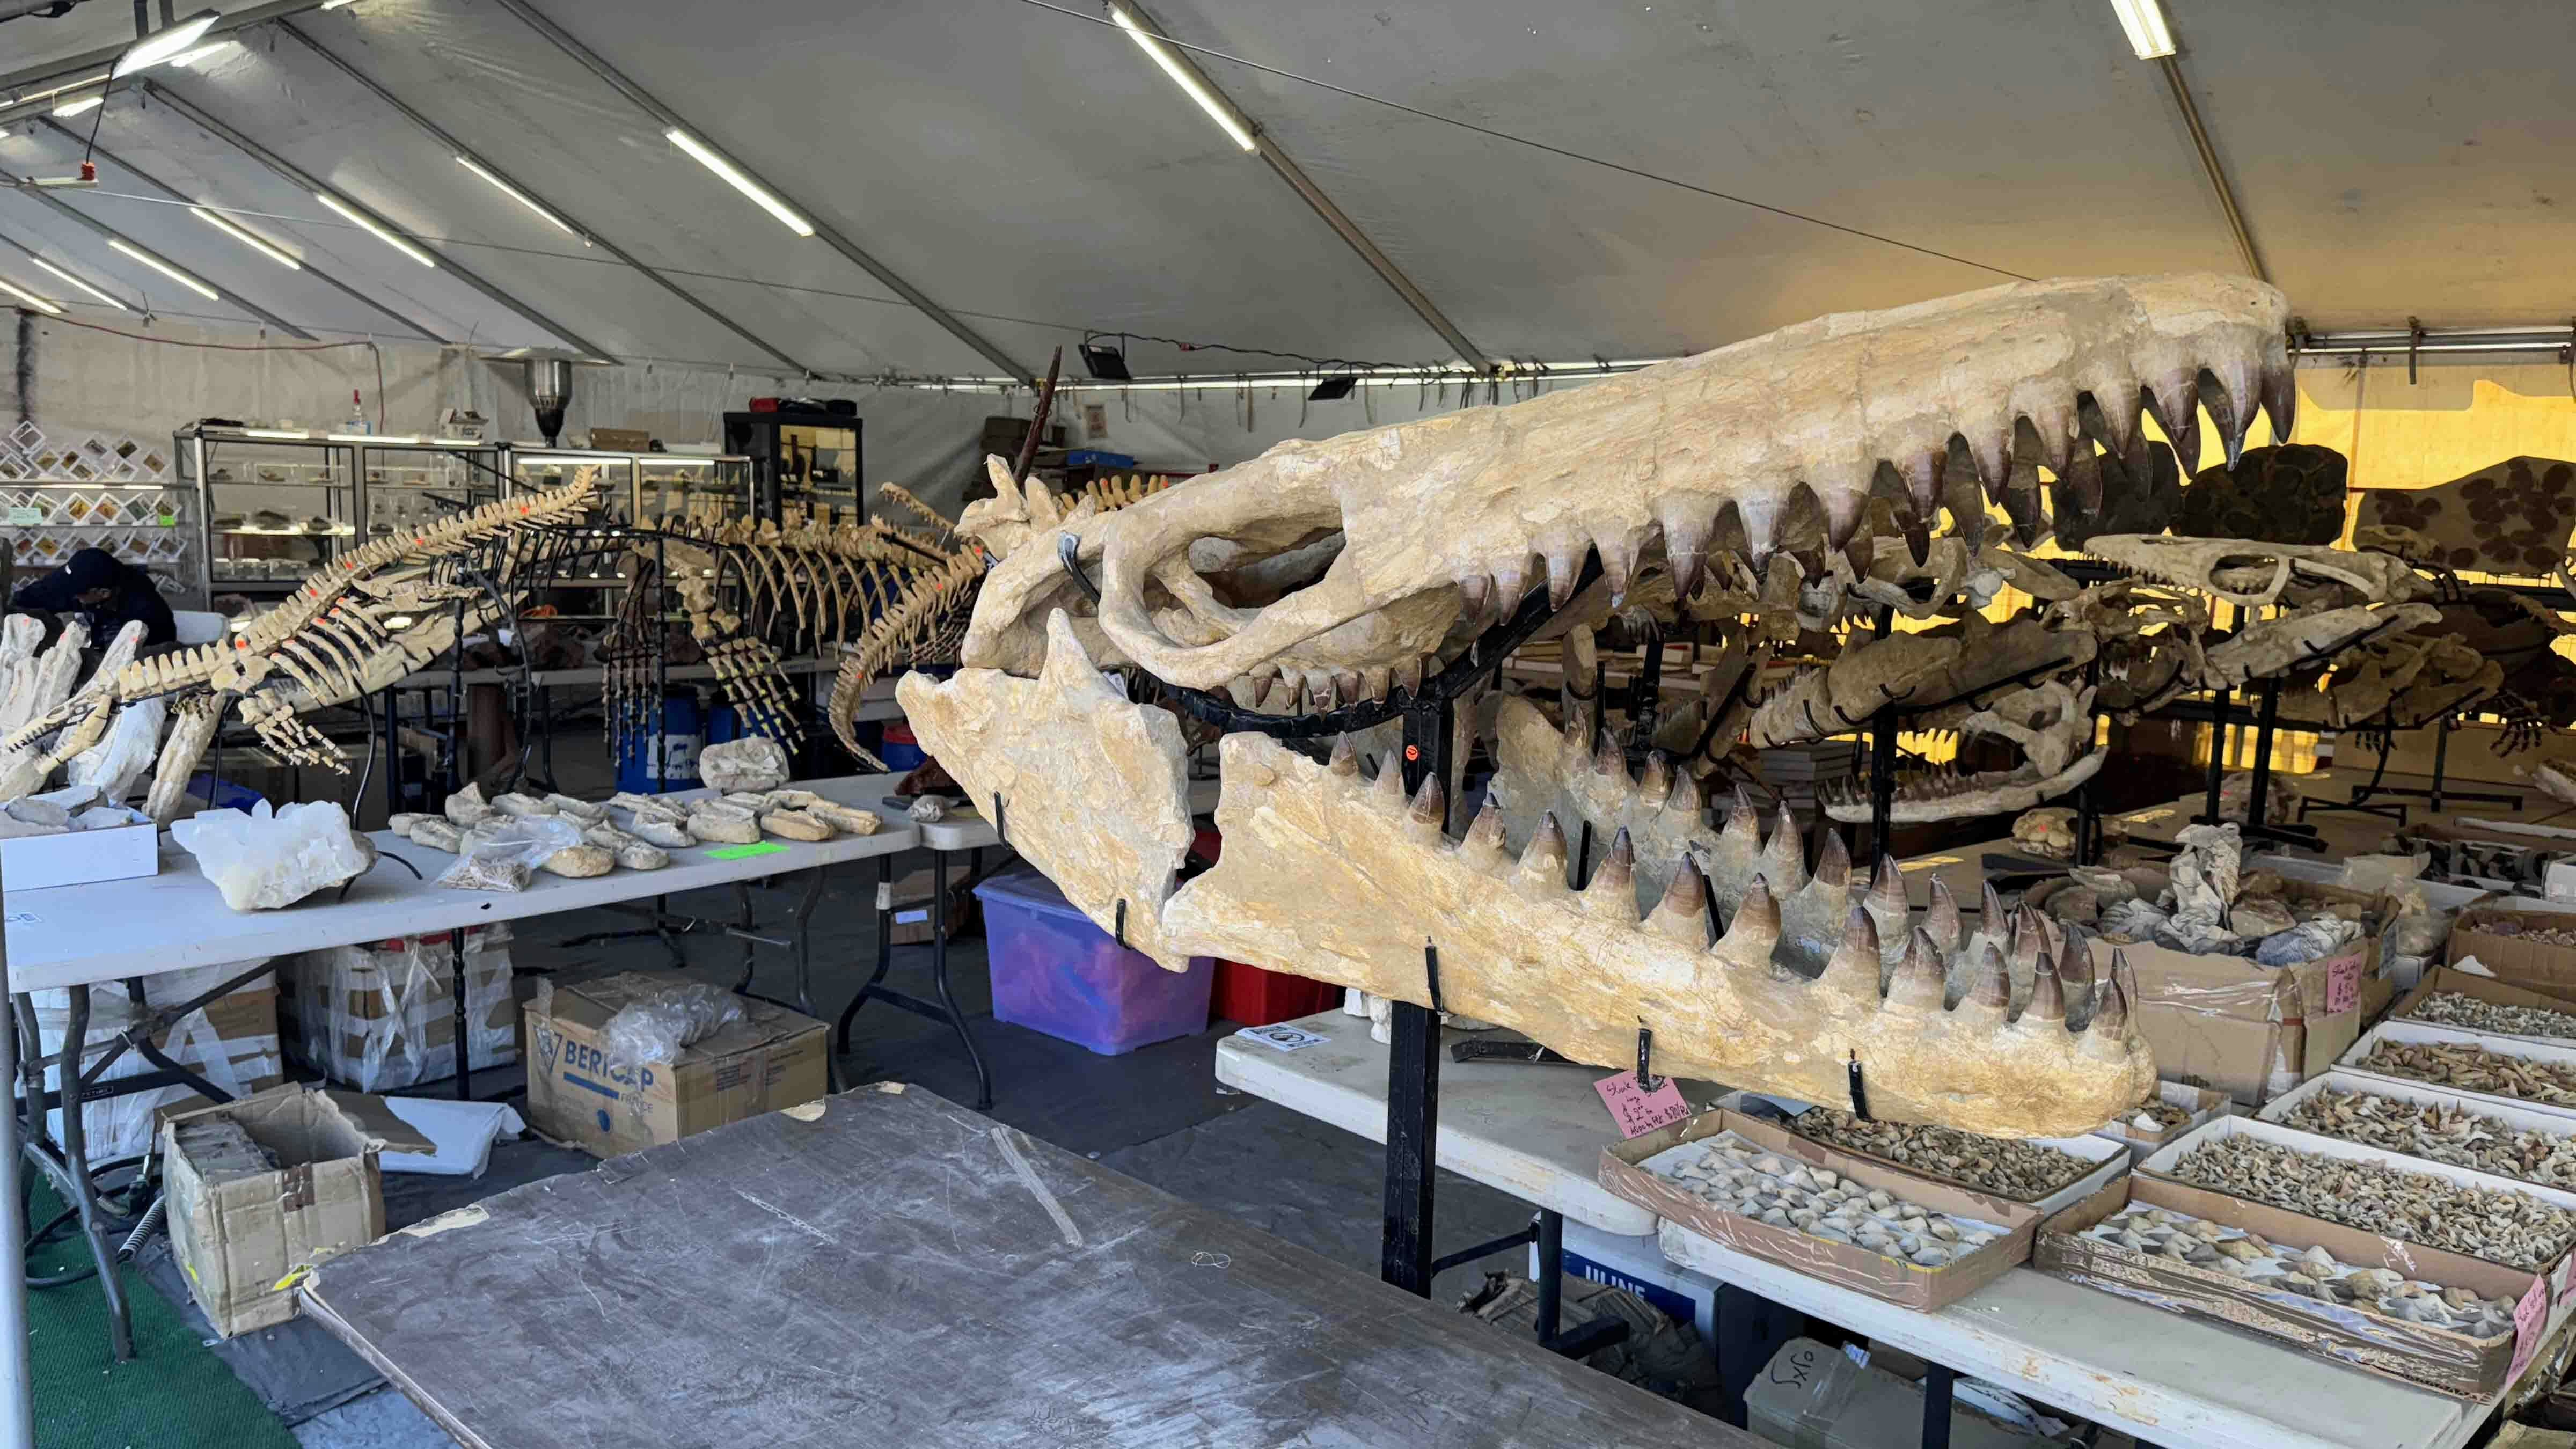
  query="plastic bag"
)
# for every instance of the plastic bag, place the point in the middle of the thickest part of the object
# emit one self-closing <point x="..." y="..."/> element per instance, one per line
<point x="503" y="854"/>
<point x="658" y="1027"/>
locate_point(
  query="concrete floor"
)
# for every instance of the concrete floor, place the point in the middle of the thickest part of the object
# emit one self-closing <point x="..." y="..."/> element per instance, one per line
<point x="1156" y="1114"/>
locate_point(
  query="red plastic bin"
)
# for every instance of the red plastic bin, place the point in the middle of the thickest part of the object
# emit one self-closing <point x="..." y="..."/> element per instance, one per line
<point x="1249" y="995"/>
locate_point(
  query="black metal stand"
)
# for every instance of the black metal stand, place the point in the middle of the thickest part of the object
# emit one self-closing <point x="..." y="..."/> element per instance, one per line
<point x="1413" y="1062"/>
<point x="2365" y="797"/>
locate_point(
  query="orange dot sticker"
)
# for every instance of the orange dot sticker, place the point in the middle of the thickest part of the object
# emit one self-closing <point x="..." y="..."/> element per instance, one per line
<point x="1412" y="752"/>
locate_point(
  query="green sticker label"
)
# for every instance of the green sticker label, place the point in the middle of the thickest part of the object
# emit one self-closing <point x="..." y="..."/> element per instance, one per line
<point x="22" y="516"/>
<point x="745" y="852"/>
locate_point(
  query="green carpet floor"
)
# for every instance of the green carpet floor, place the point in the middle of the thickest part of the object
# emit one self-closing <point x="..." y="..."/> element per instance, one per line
<point x="173" y="1394"/>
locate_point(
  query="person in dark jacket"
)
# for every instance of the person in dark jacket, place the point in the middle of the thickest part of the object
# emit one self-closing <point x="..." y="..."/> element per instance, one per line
<point x="111" y="594"/>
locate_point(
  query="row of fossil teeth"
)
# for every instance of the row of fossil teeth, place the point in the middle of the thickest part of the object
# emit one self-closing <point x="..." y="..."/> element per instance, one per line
<point x="1940" y="782"/>
<point x="1917" y="980"/>
<point x="1693" y="529"/>
<point x="1278" y="689"/>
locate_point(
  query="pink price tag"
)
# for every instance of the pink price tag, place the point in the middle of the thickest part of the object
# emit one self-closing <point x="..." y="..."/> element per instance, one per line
<point x="2343" y="983"/>
<point x="2527" y="1316"/>
<point x="1640" y="1112"/>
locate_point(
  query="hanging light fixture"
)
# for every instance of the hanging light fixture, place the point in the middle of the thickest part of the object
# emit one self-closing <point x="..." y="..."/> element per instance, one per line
<point x="357" y="219"/>
<point x="165" y="43"/>
<point x="740" y="180"/>
<point x="120" y="245"/>
<point x="2144" y="22"/>
<point x="246" y="238"/>
<point x="1227" y="118"/>
<point x="521" y="197"/>
<point x="28" y="298"/>
<point x="77" y="282"/>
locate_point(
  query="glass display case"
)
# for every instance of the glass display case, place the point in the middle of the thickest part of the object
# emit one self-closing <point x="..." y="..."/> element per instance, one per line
<point x="100" y="490"/>
<point x="274" y="504"/>
<point x="646" y="489"/>
<point x="804" y="463"/>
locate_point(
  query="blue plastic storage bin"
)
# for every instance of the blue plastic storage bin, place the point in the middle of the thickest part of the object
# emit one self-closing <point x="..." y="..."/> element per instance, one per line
<point x="1056" y="972"/>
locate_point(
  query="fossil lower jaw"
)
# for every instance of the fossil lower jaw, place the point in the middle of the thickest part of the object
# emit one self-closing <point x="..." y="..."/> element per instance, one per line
<point x="1944" y="794"/>
<point x="1345" y="880"/>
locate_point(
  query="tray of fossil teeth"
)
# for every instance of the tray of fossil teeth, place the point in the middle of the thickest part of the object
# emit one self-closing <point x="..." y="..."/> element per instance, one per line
<point x="2440" y="1320"/>
<point x="2433" y="1123"/>
<point x="2175" y="1109"/>
<point x="2498" y="1069"/>
<point x="1850" y="1220"/>
<point x="2466" y="1002"/>
<point x="2046" y="1172"/>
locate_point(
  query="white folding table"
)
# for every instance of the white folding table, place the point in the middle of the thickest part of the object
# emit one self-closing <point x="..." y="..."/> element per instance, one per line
<point x="75" y="937"/>
<point x="1537" y="1132"/>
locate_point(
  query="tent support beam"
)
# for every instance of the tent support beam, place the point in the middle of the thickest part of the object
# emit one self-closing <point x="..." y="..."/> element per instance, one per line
<point x="831" y="236"/>
<point x="590" y="235"/>
<point x="112" y="234"/>
<point x="1287" y="169"/>
<point x="147" y="178"/>
<point x="311" y="183"/>
<point x="106" y="55"/>
<point x="2170" y="68"/>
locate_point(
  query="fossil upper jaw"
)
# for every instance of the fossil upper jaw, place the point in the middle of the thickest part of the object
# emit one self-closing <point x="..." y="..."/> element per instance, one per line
<point x="1737" y="452"/>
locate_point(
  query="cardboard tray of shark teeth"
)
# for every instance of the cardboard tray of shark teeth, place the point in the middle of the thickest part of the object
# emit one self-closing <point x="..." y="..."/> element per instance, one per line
<point x="2437" y="1320"/>
<point x="1839" y="1216"/>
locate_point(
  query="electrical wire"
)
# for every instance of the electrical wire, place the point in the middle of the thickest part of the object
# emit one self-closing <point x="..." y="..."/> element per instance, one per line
<point x="368" y="344"/>
<point x="1489" y="132"/>
<point x="1174" y="342"/>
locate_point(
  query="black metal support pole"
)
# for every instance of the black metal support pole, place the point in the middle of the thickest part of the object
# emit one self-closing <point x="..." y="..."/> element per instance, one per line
<point x="2441" y="759"/>
<point x="464" y="1031"/>
<point x="1551" y="1273"/>
<point x="1413" y="1065"/>
<point x="2263" y="723"/>
<point x="2219" y="704"/>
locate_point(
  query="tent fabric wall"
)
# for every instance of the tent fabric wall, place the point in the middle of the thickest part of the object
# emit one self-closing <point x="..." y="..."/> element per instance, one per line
<point x="82" y="379"/>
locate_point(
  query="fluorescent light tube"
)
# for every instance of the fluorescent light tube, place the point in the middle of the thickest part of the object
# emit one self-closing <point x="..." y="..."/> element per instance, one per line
<point x="281" y="435"/>
<point x="83" y="103"/>
<point x="371" y="229"/>
<point x="515" y="194"/>
<point x="1227" y="118"/>
<point x="204" y="52"/>
<point x="160" y="45"/>
<point x="333" y="4"/>
<point x="30" y="298"/>
<point x="2144" y="21"/>
<point x="246" y="239"/>
<point x="390" y="440"/>
<point x="165" y="269"/>
<point x="708" y="157"/>
<point x="77" y="282"/>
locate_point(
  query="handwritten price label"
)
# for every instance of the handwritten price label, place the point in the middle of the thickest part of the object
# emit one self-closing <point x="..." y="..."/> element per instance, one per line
<point x="1639" y="1112"/>
<point x="2343" y="983"/>
<point x="2527" y="1315"/>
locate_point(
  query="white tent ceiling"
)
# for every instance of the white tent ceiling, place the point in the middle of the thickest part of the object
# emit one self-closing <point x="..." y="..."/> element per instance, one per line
<point x="1029" y="171"/>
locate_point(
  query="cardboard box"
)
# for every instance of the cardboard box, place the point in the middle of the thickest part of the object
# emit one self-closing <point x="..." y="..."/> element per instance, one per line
<point x="2484" y="988"/>
<point x="772" y="1058"/>
<point x="1905" y="1284"/>
<point x="121" y="852"/>
<point x="382" y="1015"/>
<point x="2163" y="1162"/>
<point x="245" y="1243"/>
<point x="2515" y="958"/>
<point x="2557" y="1054"/>
<point x="2415" y="1353"/>
<point x="2253" y="1031"/>
<point x="2512" y="1115"/>
<point x="2102" y="1160"/>
<point x="231" y="1041"/>
<point x="2203" y="1103"/>
<point x="1818" y="1397"/>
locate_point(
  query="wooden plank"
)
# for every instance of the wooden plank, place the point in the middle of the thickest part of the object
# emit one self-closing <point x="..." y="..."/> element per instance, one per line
<point x="901" y="1268"/>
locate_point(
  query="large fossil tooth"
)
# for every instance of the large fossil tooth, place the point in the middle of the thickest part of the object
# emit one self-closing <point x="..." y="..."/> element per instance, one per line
<point x="1543" y="860"/>
<point x="1784" y="856"/>
<point x="1686" y="537"/>
<point x="1483" y="848"/>
<point x="1737" y="857"/>
<point x="1428" y="817"/>
<point x="1682" y="915"/>
<point x="1346" y="760"/>
<point x="2047" y="997"/>
<point x="1918" y="984"/>
<point x="1991" y="998"/>
<point x="1612" y="892"/>
<point x="1387" y="790"/>
<point x="1853" y="968"/>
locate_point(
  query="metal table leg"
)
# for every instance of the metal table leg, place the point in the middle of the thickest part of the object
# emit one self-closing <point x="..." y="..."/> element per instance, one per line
<point x="939" y="977"/>
<point x="17" y="1389"/>
<point x="67" y="1165"/>
<point x="805" y="938"/>
<point x="885" y="954"/>
<point x="464" y="1033"/>
<point x="1937" y="1379"/>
